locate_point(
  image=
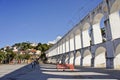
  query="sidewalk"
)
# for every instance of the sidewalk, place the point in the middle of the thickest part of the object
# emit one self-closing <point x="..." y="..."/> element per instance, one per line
<point x="49" y="72"/>
<point x="10" y="71"/>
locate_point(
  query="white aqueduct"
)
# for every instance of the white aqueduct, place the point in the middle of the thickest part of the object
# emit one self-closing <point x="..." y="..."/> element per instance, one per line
<point x="87" y="44"/>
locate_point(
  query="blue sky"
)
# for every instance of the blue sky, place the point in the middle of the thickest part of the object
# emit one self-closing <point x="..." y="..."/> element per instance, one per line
<point x="39" y="20"/>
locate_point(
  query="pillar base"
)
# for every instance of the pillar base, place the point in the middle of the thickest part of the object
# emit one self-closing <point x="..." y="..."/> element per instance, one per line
<point x="109" y="63"/>
<point x="92" y="62"/>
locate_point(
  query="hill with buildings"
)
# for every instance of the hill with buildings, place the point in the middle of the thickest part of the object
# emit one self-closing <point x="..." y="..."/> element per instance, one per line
<point x="23" y="52"/>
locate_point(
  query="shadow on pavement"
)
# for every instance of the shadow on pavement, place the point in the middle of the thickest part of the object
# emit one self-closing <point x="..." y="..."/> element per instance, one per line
<point x="21" y="71"/>
<point x="82" y="73"/>
<point x="49" y="72"/>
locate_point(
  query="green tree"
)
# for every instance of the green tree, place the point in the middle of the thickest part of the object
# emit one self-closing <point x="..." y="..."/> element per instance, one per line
<point x="39" y="47"/>
<point x="19" y="57"/>
<point x="103" y="34"/>
<point x="44" y="47"/>
<point x="10" y="55"/>
<point x="2" y="56"/>
<point x="23" y="46"/>
<point x="27" y="56"/>
<point x="43" y="57"/>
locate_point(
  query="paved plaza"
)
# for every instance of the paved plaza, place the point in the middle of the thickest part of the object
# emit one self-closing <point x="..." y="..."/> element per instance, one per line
<point x="49" y="72"/>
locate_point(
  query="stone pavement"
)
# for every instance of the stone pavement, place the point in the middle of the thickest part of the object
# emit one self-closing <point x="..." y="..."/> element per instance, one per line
<point x="9" y="72"/>
<point x="49" y="72"/>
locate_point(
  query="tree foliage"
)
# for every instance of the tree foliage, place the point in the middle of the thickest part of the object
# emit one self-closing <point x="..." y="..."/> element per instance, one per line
<point x="8" y="55"/>
<point x="2" y="56"/>
<point x="43" y="57"/>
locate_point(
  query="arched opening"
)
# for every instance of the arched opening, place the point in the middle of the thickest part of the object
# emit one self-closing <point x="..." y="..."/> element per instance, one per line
<point x="115" y="19"/>
<point x="97" y="22"/>
<point x="86" y="36"/>
<point x="77" y="59"/>
<point x="117" y="58"/>
<point x="59" y="59"/>
<point x="67" y="59"/>
<point x="102" y="28"/>
<point x="87" y="58"/>
<point x="71" y="57"/>
<point x="100" y="58"/>
<point x="53" y="59"/>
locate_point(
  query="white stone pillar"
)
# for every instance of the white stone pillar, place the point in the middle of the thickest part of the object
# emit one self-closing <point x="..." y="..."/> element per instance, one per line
<point x="74" y="49"/>
<point x="65" y="46"/>
<point x="108" y="31"/>
<point x="115" y="24"/>
<point x="69" y="51"/>
<point x="97" y="33"/>
<point x="81" y="38"/>
<point x="59" y="48"/>
<point x="86" y="38"/>
<point x="78" y="41"/>
<point x="62" y="52"/>
<point x="65" y="51"/>
<point x="110" y="55"/>
<point x="63" y="55"/>
<point x="91" y="34"/>
<point x="81" y="60"/>
<point x="62" y="47"/>
<point x="81" y="51"/>
<point x="93" y="56"/>
<point x="72" y="43"/>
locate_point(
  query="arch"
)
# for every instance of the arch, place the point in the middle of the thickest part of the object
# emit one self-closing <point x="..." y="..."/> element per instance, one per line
<point x="100" y="57"/>
<point x="115" y="19"/>
<point x="86" y="26"/>
<point x="85" y="33"/>
<point x="71" y="35"/>
<point x="67" y="58"/>
<point x="60" y="59"/>
<point x="97" y="35"/>
<point x="97" y="18"/>
<point x="117" y="58"/>
<point x="71" y="57"/>
<point x="115" y="7"/>
<point x="77" y="58"/>
<point x="87" y="58"/>
<point x="105" y="9"/>
<point x="77" y="31"/>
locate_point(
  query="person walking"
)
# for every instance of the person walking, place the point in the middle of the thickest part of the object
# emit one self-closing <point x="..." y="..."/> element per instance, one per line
<point x="33" y="65"/>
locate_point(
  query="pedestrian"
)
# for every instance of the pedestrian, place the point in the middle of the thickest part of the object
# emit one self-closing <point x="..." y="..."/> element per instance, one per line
<point x="33" y="64"/>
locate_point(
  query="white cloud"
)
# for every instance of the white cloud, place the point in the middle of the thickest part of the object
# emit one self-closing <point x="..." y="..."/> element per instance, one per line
<point x="54" y="41"/>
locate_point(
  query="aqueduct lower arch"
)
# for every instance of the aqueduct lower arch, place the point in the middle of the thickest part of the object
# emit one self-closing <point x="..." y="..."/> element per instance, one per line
<point x="117" y="57"/>
<point x="100" y="57"/>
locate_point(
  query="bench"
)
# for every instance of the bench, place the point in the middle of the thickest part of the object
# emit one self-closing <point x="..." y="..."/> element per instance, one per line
<point x="65" y="66"/>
